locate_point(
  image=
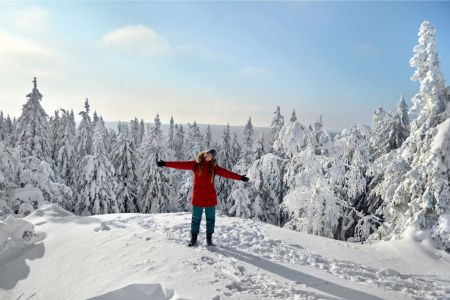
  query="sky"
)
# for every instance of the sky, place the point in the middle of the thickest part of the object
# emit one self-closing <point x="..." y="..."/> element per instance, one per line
<point x="216" y="62"/>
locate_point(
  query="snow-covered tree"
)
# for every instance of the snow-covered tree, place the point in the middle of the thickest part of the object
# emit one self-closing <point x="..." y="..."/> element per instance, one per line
<point x="421" y="200"/>
<point x="246" y="157"/>
<point x="275" y="127"/>
<point x="54" y="124"/>
<point x="267" y="188"/>
<point x="293" y="138"/>
<point x="83" y="138"/>
<point x="65" y="157"/>
<point x="236" y="148"/>
<point x="125" y="161"/>
<point x="96" y="183"/>
<point x="235" y="201"/>
<point x="135" y="132"/>
<point x="10" y="166"/>
<point x="241" y="201"/>
<point x="33" y="129"/>
<point x="171" y="135"/>
<point x="6" y="130"/>
<point x="208" y="137"/>
<point x="153" y="189"/>
<point x="194" y="140"/>
<point x="322" y="138"/>
<point x="225" y="160"/>
<point x="258" y="149"/>
<point x="39" y="176"/>
<point x="430" y="101"/>
<point x="293" y="116"/>
<point x="179" y="142"/>
<point x="311" y="204"/>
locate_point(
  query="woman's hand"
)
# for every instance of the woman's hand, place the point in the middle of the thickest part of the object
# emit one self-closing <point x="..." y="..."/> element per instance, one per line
<point x="160" y="163"/>
<point x="244" y="178"/>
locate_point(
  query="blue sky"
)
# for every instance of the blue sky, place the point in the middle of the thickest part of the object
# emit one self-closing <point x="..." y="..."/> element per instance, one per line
<point x="216" y="62"/>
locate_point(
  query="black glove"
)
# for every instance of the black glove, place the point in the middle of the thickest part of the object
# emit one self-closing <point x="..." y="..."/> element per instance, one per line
<point x="161" y="163"/>
<point x="244" y="178"/>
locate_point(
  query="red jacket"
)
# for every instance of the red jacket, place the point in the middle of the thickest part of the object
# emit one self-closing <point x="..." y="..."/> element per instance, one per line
<point x="203" y="192"/>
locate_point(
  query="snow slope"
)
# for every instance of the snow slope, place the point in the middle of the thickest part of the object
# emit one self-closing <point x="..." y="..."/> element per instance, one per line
<point x="137" y="256"/>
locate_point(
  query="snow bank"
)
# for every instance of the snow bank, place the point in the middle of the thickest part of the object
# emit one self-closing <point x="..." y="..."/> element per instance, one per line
<point x="15" y="232"/>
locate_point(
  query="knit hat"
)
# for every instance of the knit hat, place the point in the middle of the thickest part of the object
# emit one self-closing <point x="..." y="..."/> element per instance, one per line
<point x="213" y="152"/>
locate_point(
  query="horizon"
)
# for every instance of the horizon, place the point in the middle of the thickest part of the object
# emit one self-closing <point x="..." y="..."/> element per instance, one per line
<point x="192" y="62"/>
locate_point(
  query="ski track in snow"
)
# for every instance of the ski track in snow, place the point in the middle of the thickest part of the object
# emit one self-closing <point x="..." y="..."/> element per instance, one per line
<point x="248" y="243"/>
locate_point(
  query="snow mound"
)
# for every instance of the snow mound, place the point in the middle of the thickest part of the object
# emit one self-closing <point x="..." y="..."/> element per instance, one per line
<point x="50" y="210"/>
<point x="138" y="292"/>
<point x="15" y="232"/>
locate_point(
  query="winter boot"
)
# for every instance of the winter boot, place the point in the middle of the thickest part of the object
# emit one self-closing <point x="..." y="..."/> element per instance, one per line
<point x="193" y="241"/>
<point x="209" y="239"/>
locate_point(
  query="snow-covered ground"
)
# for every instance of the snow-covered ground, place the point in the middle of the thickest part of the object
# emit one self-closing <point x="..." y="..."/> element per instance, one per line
<point x="136" y="256"/>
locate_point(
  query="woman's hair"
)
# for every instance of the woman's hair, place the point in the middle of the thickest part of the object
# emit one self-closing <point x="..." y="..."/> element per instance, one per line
<point x="201" y="164"/>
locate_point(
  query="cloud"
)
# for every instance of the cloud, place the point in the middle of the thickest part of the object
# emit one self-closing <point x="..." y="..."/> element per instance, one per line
<point x="197" y="50"/>
<point x="21" y="55"/>
<point x="137" y="39"/>
<point x="31" y="19"/>
<point x="15" y="46"/>
<point x="254" y="71"/>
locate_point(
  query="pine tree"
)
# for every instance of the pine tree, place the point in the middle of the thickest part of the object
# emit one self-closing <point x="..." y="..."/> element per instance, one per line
<point x="83" y="139"/>
<point x="258" y="147"/>
<point x="171" y="135"/>
<point x="153" y="189"/>
<point x="125" y="162"/>
<point x="65" y="157"/>
<point x="430" y="101"/>
<point x="33" y="129"/>
<point x="236" y="149"/>
<point x="400" y="126"/>
<point x="54" y="123"/>
<point x="179" y="142"/>
<point x="246" y="158"/>
<point x="2" y="127"/>
<point x="96" y="181"/>
<point x="141" y="132"/>
<point x="239" y="196"/>
<point x="415" y="185"/>
<point x="241" y="202"/>
<point x="194" y="141"/>
<point x="208" y="137"/>
<point x="293" y="116"/>
<point x="225" y="160"/>
<point x="275" y="127"/>
<point x="267" y="189"/>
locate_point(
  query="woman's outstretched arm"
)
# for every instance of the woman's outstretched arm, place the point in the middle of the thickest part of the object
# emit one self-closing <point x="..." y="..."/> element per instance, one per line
<point x="182" y="165"/>
<point x="228" y="174"/>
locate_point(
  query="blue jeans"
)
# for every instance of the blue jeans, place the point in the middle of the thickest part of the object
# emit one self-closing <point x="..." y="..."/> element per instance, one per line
<point x="197" y="212"/>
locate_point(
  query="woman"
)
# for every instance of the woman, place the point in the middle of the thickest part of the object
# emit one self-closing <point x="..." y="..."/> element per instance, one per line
<point x="203" y="193"/>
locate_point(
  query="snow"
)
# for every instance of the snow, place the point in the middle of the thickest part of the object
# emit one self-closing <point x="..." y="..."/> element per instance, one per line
<point x="144" y="256"/>
<point x="442" y="139"/>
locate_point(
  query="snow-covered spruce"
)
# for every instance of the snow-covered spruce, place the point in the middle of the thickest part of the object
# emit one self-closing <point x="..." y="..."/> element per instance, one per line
<point x="95" y="182"/>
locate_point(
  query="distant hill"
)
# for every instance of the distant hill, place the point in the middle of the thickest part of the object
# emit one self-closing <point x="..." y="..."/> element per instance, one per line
<point x="217" y="130"/>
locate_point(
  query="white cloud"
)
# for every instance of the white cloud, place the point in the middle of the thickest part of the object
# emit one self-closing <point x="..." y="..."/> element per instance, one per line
<point x="14" y="46"/>
<point x="23" y="56"/>
<point x="197" y="50"/>
<point x="31" y="19"/>
<point x="138" y="39"/>
<point x="254" y="71"/>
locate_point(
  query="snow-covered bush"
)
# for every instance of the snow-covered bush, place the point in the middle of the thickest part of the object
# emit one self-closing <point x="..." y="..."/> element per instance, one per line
<point x="15" y="232"/>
